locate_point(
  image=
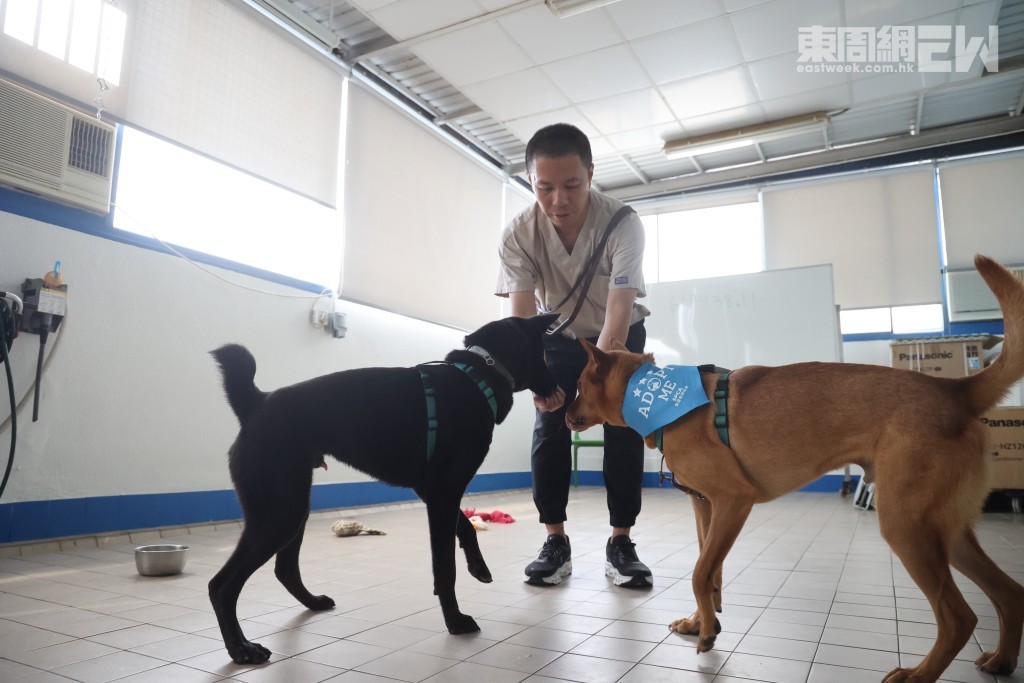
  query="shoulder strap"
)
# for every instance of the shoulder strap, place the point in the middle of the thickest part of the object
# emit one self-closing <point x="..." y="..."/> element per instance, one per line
<point x="588" y="274"/>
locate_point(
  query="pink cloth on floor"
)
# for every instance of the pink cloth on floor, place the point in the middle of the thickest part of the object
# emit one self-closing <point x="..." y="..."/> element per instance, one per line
<point x="498" y="517"/>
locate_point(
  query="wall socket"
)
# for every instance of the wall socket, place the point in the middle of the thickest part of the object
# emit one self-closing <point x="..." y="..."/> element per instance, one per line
<point x="324" y="316"/>
<point x="320" y="316"/>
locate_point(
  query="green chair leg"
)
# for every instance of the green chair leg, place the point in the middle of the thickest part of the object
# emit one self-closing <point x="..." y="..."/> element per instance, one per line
<point x="577" y="444"/>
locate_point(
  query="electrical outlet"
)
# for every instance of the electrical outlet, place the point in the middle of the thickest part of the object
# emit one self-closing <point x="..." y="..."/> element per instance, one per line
<point x="320" y="316"/>
<point x="45" y="306"/>
<point x="53" y="301"/>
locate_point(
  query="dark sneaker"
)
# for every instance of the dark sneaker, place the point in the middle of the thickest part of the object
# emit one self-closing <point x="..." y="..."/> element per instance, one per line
<point x="623" y="565"/>
<point x="553" y="564"/>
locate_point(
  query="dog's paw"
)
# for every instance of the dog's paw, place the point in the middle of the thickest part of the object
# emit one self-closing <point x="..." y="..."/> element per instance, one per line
<point x="901" y="675"/>
<point x="250" y="653"/>
<point x="995" y="663"/>
<point x="463" y="623"/>
<point x="688" y="627"/>
<point x="480" y="572"/>
<point x="320" y="602"/>
<point x="706" y="644"/>
<point x="707" y="640"/>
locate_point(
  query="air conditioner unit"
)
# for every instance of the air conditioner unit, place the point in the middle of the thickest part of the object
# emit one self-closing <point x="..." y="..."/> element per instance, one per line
<point x="970" y="299"/>
<point x="52" y="150"/>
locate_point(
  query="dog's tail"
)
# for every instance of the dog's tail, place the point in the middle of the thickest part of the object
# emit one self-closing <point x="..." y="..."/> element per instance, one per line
<point x="238" y="368"/>
<point x="986" y="388"/>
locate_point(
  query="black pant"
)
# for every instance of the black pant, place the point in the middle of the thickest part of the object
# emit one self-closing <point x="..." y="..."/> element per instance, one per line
<point x="551" y="461"/>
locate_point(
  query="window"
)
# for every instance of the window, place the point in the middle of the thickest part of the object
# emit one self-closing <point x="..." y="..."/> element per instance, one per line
<point x="94" y="43"/>
<point x="188" y="200"/>
<point x="917" y="319"/>
<point x="900" y="320"/>
<point x="865" y="320"/>
<point x="707" y="242"/>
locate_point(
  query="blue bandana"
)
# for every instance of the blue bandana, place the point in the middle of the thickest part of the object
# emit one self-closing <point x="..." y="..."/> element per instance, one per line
<point x="657" y="396"/>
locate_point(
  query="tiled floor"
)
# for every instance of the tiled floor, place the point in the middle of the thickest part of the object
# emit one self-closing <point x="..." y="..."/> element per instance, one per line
<point x="812" y="594"/>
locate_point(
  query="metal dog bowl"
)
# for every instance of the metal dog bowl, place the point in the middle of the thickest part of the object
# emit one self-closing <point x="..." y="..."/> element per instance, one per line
<point x="160" y="560"/>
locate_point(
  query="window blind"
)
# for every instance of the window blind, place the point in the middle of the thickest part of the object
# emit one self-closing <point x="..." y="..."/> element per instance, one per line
<point x="422" y="220"/>
<point x="983" y="209"/>
<point x="878" y="231"/>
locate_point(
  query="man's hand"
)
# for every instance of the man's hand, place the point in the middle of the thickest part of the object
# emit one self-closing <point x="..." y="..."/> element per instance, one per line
<point x="550" y="403"/>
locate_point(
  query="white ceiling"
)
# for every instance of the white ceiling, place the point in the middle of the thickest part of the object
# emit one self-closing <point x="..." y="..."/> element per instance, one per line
<point x="636" y="73"/>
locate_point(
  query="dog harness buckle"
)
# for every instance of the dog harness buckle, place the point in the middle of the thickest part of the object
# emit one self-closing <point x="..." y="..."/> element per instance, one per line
<point x="671" y="478"/>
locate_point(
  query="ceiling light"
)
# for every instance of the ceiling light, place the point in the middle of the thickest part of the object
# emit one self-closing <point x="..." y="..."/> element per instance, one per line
<point x="567" y="8"/>
<point x="748" y="135"/>
<point x="709" y="147"/>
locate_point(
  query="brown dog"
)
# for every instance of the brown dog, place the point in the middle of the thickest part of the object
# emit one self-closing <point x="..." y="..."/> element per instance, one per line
<point x="917" y="436"/>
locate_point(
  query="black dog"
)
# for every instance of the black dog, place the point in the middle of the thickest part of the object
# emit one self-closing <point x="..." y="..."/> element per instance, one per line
<point x="438" y="419"/>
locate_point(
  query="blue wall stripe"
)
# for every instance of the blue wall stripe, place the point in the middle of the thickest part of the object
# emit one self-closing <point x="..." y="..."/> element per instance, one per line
<point x="48" y="519"/>
<point x="829" y="483"/>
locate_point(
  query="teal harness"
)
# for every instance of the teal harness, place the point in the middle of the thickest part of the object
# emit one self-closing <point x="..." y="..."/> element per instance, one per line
<point x="482" y="385"/>
<point x="722" y="406"/>
<point x="721" y="412"/>
<point x="431" y="396"/>
<point x="721" y="424"/>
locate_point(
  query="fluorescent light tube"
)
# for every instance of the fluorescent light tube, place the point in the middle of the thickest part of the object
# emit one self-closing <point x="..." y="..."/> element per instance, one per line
<point x="749" y="135"/>
<point x="567" y="8"/>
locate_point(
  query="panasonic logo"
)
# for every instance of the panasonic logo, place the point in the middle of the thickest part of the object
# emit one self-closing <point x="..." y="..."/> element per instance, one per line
<point x="937" y="355"/>
<point x="1003" y="423"/>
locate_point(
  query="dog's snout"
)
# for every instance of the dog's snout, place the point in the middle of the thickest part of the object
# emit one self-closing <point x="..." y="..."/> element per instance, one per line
<point x="575" y="423"/>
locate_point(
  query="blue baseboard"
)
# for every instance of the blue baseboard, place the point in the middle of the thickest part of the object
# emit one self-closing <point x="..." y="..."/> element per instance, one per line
<point x="49" y="519"/>
<point x="828" y="483"/>
<point x="43" y="519"/>
<point x="831" y="483"/>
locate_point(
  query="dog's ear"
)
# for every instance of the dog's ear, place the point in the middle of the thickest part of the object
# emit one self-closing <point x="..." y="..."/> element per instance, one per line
<point x="649" y="358"/>
<point x="596" y="355"/>
<point x="617" y="345"/>
<point x="542" y="322"/>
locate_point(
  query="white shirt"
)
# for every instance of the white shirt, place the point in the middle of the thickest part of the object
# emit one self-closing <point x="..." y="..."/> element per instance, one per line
<point x="533" y="259"/>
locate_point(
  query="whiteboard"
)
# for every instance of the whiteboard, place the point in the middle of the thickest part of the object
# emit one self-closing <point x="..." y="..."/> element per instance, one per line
<point x="770" y="318"/>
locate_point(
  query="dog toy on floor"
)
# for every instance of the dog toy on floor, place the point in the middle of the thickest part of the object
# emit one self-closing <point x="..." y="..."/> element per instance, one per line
<point x="350" y="527"/>
<point x="497" y="517"/>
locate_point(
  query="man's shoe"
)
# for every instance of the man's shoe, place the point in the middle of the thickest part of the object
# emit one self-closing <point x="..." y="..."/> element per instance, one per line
<point x="623" y="565"/>
<point x="553" y="564"/>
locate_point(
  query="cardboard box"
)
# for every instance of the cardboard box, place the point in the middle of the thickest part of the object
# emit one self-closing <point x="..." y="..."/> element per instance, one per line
<point x="943" y="356"/>
<point x="1015" y="396"/>
<point x="1006" y="447"/>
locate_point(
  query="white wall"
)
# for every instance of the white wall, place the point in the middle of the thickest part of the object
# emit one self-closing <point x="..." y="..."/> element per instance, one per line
<point x="131" y="401"/>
